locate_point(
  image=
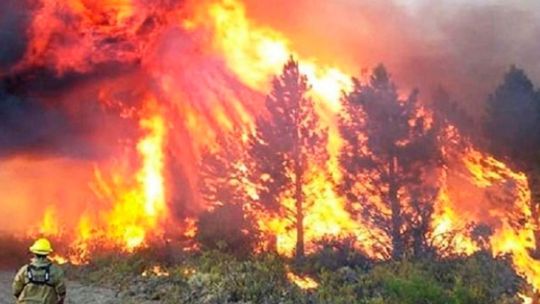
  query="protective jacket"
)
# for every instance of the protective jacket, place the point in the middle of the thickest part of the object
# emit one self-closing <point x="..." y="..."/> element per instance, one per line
<point x="40" y="282"/>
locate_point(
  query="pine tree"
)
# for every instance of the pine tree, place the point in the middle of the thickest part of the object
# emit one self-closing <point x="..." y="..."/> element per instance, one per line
<point x="389" y="151"/>
<point x="446" y="111"/>
<point x="288" y="139"/>
<point x="224" y="174"/>
<point x="512" y="129"/>
<point x="226" y="188"/>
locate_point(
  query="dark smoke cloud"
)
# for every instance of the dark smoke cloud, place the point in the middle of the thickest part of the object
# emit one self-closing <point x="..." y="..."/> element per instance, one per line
<point x="464" y="46"/>
<point x="47" y="114"/>
<point x="460" y="46"/>
<point x="14" y="19"/>
<point x="25" y="125"/>
<point x="43" y="114"/>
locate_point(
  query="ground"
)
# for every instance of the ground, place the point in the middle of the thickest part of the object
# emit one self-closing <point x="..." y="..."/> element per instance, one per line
<point x="77" y="293"/>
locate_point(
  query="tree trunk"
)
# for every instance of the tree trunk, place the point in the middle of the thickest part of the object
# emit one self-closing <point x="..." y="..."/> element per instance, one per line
<point x="395" y="206"/>
<point x="397" y="239"/>
<point x="298" y="188"/>
<point x="272" y="244"/>
<point x="299" y="215"/>
<point x="533" y="180"/>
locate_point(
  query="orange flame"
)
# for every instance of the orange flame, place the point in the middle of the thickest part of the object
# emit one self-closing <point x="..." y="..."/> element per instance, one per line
<point x="49" y="224"/>
<point x="132" y="199"/>
<point x="304" y="282"/>
<point x="156" y="271"/>
<point x="136" y="209"/>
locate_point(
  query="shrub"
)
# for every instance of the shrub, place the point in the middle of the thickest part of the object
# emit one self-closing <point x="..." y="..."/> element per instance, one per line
<point x="214" y="277"/>
<point x="333" y="254"/>
<point x="226" y="229"/>
<point x="476" y="279"/>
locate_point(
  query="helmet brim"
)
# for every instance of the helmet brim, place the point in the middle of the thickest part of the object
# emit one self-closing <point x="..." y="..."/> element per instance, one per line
<point x="40" y="252"/>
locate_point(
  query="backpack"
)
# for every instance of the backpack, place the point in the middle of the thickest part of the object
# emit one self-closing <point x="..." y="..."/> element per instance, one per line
<point x="39" y="275"/>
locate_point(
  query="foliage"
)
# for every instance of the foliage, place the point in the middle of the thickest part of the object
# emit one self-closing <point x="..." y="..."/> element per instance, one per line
<point x="512" y="123"/>
<point x="475" y="279"/>
<point x="226" y="280"/>
<point x="224" y="173"/>
<point x="512" y="127"/>
<point x="446" y="110"/>
<point x="112" y="268"/>
<point x="393" y="150"/>
<point x="214" y="277"/>
<point x="286" y="143"/>
<point x="333" y="254"/>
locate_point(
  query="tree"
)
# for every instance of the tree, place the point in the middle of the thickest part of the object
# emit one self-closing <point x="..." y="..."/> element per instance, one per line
<point x="512" y="129"/>
<point x="286" y="142"/>
<point x="224" y="174"/>
<point x="390" y="152"/>
<point x="225" y="186"/>
<point x="446" y="111"/>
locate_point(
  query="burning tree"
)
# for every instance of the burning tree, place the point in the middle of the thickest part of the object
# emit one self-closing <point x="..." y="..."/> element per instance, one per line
<point x="449" y="112"/>
<point x="286" y="143"/>
<point x="224" y="184"/>
<point x="224" y="173"/>
<point x="512" y="127"/>
<point x="389" y="159"/>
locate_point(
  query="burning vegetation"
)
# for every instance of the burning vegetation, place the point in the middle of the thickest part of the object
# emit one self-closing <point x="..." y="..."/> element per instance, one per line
<point x="187" y="127"/>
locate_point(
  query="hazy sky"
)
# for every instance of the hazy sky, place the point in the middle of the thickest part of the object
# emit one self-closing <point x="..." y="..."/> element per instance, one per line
<point x="463" y="45"/>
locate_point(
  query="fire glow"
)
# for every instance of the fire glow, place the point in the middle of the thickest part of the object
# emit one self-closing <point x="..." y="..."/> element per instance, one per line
<point x="133" y="193"/>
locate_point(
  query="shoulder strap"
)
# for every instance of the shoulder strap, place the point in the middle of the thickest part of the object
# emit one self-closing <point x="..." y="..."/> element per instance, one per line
<point x="31" y="276"/>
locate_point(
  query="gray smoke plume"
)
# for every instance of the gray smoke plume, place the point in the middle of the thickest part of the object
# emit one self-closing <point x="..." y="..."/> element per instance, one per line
<point x="464" y="46"/>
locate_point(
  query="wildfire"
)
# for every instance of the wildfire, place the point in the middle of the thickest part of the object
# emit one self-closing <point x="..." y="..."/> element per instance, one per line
<point x="526" y="299"/>
<point x="177" y="115"/>
<point x="136" y="209"/>
<point x="49" y="224"/>
<point x="255" y="54"/>
<point x="156" y="271"/>
<point x="140" y="209"/>
<point x="509" y="238"/>
<point x="59" y="259"/>
<point x="304" y="282"/>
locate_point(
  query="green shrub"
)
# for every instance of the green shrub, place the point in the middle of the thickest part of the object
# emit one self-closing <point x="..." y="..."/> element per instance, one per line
<point x="333" y="254"/>
<point x="214" y="277"/>
<point x="476" y="279"/>
<point x="223" y="279"/>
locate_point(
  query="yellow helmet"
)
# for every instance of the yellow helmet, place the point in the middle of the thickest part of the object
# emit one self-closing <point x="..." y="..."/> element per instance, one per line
<point x="41" y="247"/>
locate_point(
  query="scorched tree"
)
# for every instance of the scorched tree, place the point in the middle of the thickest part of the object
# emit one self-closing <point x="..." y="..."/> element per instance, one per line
<point x="389" y="157"/>
<point x="288" y="139"/>
<point x="512" y="129"/>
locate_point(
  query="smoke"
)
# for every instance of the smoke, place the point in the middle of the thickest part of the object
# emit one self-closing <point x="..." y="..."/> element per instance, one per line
<point x="463" y="46"/>
<point x="25" y="125"/>
<point x="44" y="113"/>
<point x="13" y="22"/>
<point x="56" y="71"/>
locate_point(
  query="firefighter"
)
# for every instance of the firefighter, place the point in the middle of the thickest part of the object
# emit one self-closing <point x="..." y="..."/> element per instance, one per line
<point x="41" y="281"/>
